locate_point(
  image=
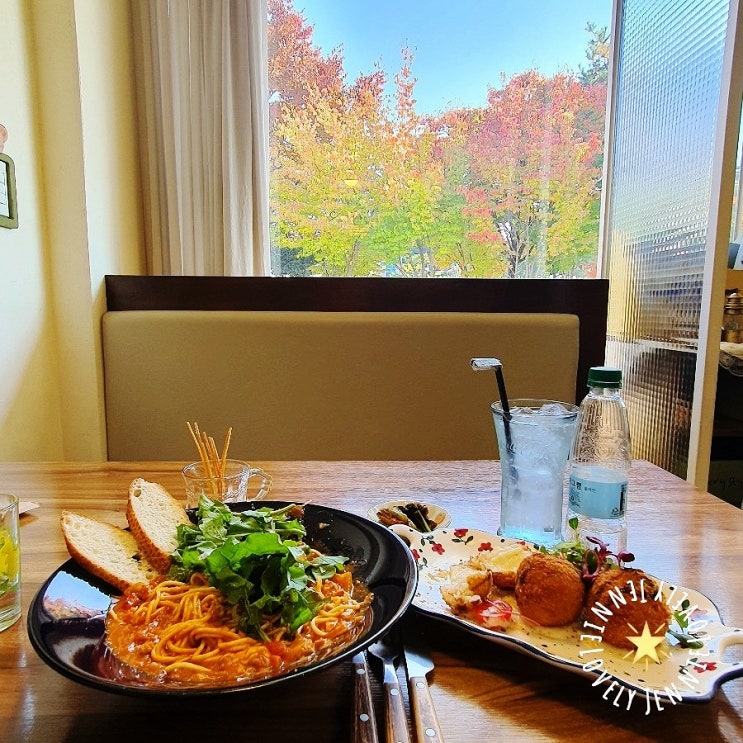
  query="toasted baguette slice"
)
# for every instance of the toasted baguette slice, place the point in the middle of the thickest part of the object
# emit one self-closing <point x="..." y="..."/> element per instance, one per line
<point x="106" y="551"/>
<point x="153" y="515"/>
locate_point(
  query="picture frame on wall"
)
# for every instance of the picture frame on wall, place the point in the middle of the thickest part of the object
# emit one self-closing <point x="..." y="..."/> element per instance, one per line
<point x="8" y="203"/>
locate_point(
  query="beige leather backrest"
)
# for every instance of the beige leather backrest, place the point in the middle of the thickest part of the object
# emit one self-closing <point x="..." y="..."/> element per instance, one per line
<point x="324" y="385"/>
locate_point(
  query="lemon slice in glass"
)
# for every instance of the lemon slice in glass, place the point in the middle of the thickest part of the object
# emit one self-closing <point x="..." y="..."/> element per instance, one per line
<point x="8" y="560"/>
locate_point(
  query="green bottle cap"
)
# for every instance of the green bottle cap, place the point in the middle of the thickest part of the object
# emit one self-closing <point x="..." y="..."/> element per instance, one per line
<point x="605" y="376"/>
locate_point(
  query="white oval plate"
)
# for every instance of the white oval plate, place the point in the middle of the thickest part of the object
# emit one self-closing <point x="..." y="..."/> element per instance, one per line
<point x="682" y="674"/>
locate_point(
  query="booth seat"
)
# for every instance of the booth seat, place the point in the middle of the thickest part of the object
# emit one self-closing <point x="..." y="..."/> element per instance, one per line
<point x="318" y="385"/>
<point x="329" y="383"/>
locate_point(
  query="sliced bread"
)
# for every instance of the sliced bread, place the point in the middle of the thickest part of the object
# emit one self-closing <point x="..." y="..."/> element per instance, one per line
<point x="106" y="551"/>
<point x="153" y="515"/>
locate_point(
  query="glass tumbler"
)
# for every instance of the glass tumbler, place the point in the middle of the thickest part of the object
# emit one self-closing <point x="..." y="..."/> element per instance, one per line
<point x="10" y="562"/>
<point x="234" y="487"/>
<point x="534" y="444"/>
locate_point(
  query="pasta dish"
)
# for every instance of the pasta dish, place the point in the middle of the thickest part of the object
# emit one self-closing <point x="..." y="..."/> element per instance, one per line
<point x="237" y="608"/>
<point x="187" y="632"/>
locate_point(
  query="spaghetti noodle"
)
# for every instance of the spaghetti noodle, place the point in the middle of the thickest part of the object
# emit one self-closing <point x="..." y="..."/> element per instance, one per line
<point x="188" y="632"/>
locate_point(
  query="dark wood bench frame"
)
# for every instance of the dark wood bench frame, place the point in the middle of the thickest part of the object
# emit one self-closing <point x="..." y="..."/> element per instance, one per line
<point x="586" y="298"/>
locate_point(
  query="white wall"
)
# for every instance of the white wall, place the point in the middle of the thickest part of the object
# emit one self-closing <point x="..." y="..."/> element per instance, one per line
<point x="68" y="104"/>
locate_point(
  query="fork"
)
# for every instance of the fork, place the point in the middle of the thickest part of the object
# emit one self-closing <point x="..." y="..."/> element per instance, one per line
<point x="387" y="650"/>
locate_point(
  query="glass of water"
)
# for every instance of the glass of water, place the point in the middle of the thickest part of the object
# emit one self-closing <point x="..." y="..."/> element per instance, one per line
<point x="534" y="441"/>
<point x="10" y="562"/>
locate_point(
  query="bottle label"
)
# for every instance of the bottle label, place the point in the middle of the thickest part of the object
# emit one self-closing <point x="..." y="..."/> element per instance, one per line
<point x="600" y="500"/>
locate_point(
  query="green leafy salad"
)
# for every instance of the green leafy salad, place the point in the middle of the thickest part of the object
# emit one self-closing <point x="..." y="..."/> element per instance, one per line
<point x="258" y="560"/>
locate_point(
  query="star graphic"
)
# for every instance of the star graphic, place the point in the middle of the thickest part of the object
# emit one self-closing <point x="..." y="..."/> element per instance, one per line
<point x="646" y="644"/>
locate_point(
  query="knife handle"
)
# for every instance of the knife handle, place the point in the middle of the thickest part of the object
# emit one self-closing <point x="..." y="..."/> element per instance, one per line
<point x="397" y="722"/>
<point x="427" y="726"/>
<point x="364" y="722"/>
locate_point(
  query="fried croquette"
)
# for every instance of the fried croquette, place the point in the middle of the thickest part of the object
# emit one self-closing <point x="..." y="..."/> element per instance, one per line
<point x="549" y="590"/>
<point x="629" y="595"/>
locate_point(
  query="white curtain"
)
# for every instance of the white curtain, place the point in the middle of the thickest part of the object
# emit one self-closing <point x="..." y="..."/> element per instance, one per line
<point x="202" y="96"/>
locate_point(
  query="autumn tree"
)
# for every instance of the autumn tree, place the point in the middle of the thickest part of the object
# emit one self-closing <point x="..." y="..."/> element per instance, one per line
<point x="461" y="228"/>
<point x="328" y="177"/>
<point x="294" y="62"/>
<point x="356" y="183"/>
<point x="597" y="54"/>
<point x="408" y="231"/>
<point x="534" y="178"/>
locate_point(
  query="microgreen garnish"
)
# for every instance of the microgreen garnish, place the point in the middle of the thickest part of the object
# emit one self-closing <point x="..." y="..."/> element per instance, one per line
<point x="589" y="560"/>
<point x="258" y="560"/>
<point x="685" y="639"/>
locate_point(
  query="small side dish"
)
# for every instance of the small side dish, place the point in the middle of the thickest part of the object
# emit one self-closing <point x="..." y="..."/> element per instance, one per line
<point x="423" y="517"/>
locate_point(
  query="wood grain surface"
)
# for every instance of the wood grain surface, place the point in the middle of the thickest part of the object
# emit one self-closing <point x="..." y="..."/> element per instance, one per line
<point x="482" y="692"/>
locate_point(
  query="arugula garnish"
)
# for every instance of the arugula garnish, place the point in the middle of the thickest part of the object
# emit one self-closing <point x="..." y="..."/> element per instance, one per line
<point x="258" y="560"/>
<point x="685" y="639"/>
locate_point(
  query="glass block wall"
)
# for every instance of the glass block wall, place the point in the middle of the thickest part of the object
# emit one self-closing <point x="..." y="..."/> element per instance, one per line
<point x="667" y="89"/>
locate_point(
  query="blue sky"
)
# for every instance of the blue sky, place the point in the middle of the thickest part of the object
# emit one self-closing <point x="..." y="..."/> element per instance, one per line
<point x="460" y="46"/>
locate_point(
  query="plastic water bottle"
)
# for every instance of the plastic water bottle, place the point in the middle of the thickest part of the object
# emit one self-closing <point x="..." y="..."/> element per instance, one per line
<point x="599" y="463"/>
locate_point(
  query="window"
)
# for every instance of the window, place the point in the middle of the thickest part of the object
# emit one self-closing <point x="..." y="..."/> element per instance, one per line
<point x="434" y="138"/>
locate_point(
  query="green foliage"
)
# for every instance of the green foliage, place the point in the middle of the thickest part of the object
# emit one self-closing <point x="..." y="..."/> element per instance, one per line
<point x="597" y="55"/>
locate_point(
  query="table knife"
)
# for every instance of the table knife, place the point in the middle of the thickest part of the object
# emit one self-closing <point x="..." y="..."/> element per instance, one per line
<point x="364" y="722"/>
<point x="387" y="651"/>
<point x="419" y="664"/>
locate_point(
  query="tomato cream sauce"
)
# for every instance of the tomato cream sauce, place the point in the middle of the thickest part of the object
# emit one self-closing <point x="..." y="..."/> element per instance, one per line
<point x="224" y="655"/>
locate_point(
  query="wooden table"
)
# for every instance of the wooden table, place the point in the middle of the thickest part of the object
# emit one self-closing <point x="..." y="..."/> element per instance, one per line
<point x="483" y="692"/>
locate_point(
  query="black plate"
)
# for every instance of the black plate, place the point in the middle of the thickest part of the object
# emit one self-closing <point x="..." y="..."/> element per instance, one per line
<point x="66" y="616"/>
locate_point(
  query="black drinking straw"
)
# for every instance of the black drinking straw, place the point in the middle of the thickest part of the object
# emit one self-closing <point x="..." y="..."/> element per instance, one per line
<point x="480" y="364"/>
